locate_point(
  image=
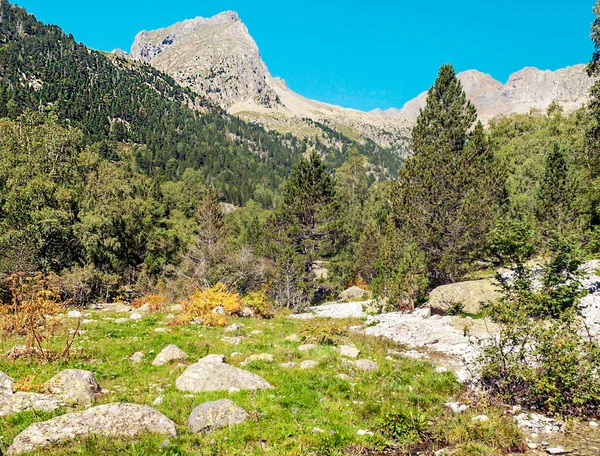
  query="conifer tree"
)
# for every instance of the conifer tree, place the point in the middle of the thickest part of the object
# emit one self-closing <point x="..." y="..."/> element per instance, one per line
<point x="447" y="196"/>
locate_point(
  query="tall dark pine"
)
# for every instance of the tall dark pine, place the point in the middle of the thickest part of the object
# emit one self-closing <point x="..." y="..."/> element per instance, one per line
<point x="447" y="196"/>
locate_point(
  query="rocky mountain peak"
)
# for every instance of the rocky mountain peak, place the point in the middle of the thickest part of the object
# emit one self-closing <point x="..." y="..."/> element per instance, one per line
<point x="214" y="56"/>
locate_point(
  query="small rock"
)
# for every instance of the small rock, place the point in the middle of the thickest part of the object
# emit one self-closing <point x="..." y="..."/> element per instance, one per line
<point x="256" y="332"/>
<point x="545" y="444"/>
<point x="135" y="316"/>
<point x="122" y="320"/>
<point x="317" y="430"/>
<point x="343" y="376"/>
<point x="159" y="400"/>
<point x="214" y="415"/>
<point x="593" y="424"/>
<point x="74" y="314"/>
<point x="308" y="364"/>
<point x="234" y="328"/>
<point x="6" y="384"/>
<point x="218" y="359"/>
<point x="175" y="308"/>
<point x="349" y="351"/>
<point x="366" y="365"/>
<point x="289" y="365"/>
<point x="236" y="340"/>
<point x="532" y="446"/>
<point x="556" y="450"/>
<point x="247" y="312"/>
<point x="293" y="338"/>
<point x="456" y="407"/>
<point x="170" y="353"/>
<point x="307" y="347"/>
<point x="363" y="432"/>
<point x="137" y="357"/>
<point x="263" y="357"/>
<point x="441" y="369"/>
<point x="480" y="418"/>
<point x="220" y="310"/>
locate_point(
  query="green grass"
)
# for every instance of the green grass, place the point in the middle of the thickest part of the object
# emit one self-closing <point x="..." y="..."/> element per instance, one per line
<point x="282" y="419"/>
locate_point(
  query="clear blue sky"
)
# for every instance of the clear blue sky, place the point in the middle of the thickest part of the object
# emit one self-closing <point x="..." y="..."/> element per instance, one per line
<point x="358" y="53"/>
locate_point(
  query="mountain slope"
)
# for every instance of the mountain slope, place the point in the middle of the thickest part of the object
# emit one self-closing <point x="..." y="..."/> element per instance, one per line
<point x="525" y="89"/>
<point x="217" y="58"/>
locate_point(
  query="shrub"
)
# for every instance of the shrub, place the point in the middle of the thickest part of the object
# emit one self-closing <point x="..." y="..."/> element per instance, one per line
<point x="200" y="305"/>
<point x="325" y="331"/>
<point x="404" y="426"/>
<point x="259" y="302"/>
<point x="156" y="302"/>
<point x="31" y="309"/>
<point x="543" y="358"/>
<point x="85" y="284"/>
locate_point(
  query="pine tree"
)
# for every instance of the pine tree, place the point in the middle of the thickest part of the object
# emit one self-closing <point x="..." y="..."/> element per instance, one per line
<point x="447" y="196"/>
<point x="353" y="189"/>
<point x="555" y="194"/>
<point x="210" y="219"/>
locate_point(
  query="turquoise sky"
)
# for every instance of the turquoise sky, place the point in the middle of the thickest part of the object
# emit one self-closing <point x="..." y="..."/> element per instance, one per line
<point x="360" y="54"/>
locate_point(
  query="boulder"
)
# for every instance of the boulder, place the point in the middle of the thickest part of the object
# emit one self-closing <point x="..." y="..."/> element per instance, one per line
<point x="308" y="364"/>
<point x="6" y="384"/>
<point x="363" y="364"/>
<point x="353" y="293"/>
<point x="21" y="402"/>
<point x="470" y="295"/>
<point x="136" y="316"/>
<point x="74" y="387"/>
<point x="263" y="357"/>
<point x="214" y="415"/>
<point x="214" y="375"/>
<point x="307" y="347"/>
<point x="109" y="420"/>
<point x="169" y="353"/>
<point x="349" y="351"/>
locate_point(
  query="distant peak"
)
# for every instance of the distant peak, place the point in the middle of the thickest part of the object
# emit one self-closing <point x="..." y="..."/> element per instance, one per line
<point x="228" y="15"/>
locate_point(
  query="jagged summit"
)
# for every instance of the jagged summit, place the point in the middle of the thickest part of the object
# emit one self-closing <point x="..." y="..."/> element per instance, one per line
<point x="525" y="89"/>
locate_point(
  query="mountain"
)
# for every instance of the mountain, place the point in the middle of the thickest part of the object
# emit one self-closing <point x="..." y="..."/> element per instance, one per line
<point x="525" y="89"/>
<point x="217" y="58"/>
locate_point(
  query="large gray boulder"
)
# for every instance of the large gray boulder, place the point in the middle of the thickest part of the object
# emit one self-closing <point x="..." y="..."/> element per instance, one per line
<point x="74" y="387"/>
<point x="469" y="294"/>
<point x="109" y="420"/>
<point x="21" y="402"/>
<point x="353" y="293"/>
<point x="169" y="353"/>
<point x="213" y="415"/>
<point x="212" y="374"/>
<point x="6" y="384"/>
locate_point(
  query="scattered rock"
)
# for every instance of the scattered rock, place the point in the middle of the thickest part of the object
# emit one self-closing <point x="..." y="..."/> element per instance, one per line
<point x="480" y="418"/>
<point x="317" y="430"/>
<point x="122" y="320"/>
<point x="343" y="376"/>
<point x="348" y="351"/>
<point x="556" y="450"/>
<point x="593" y="424"/>
<point x="308" y="364"/>
<point x="170" y="353"/>
<point x="74" y="387"/>
<point x="469" y="294"/>
<point x="109" y="420"/>
<point x="234" y="328"/>
<point x="137" y="357"/>
<point x="214" y="415"/>
<point x="247" y="312"/>
<point x="162" y="330"/>
<point x="353" y="293"/>
<point x="289" y="365"/>
<point x="363" y="432"/>
<point x="212" y="375"/>
<point x="532" y="446"/>
<point x="6" y="384"/>
<point x="213" y="359"/>
<point x="365" y="365"/>
<point x="307" y="347"/>
<point x="456" y="407"/>
<point x="441" y="369"/>
<point x="74" y="314"/>
<point x="21" y="402"/>
<point x="236" y="340"/>
<point x="293" y="338"/>
<point x="136" y="316"/>
<point x="159" y="400"/>
<point x="538" y="423"/>
<point x="220" y="310"/>
<point x="263" y="357"/>
<point x="175" y="308"/>
<point x="117" y="307"/>
<point x="256" y="332"/>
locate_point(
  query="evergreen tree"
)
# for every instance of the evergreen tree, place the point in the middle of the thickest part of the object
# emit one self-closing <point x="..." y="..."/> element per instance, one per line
<point x="555" y="196"/>
<point x="210" y="219"/>
<point x="447" y="196"/>
<point x="353" y="189"/>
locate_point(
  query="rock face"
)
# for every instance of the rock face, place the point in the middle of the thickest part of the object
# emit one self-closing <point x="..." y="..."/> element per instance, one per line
<point x="169" y="353"/>
<point x="525" y="89"/>
<point x="110" y="420"/>
<point x="217" y="58"/>
<point x="214" y="415"/>
<point x="470" y="294"/>
<point x="74" y="387"/>
<point x="212" y="374"/>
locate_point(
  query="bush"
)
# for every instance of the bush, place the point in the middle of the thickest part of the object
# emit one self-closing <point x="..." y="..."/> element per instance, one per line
<point x="200" y="306"/>
<point x="404" y="426"/>
<point x="155" y="302"/>
<point x="259" y="303"/>
<point x="543" y="358"/>
<point x="83" y="285"/>
<point x="31" y="309"/>
<point x="325" y="331"/>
